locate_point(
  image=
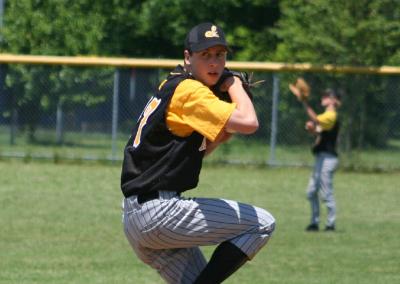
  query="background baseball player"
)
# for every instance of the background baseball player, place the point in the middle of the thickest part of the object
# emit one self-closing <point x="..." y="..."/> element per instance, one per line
<point x="325" y="127"/>
<point x="181" y="123"/>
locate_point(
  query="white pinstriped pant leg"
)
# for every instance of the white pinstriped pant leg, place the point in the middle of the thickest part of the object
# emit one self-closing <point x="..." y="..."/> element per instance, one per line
<point x="166" y="233"/>
<point x="180" y="265"/>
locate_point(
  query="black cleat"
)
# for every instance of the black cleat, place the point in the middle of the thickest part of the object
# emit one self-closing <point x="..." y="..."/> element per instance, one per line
<point x="312" y="228"/>
<point x="330" y="228"/>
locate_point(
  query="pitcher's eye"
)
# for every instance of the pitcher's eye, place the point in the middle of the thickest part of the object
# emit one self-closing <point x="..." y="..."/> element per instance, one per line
<point x="221" y="54"/>
<point x="205" y="55"/>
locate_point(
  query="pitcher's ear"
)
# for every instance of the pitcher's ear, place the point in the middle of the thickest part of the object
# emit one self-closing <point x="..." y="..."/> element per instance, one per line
<point x="186" y="55"/>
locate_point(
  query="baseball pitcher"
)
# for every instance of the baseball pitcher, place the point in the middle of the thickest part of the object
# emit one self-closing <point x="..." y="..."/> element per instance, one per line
<point x="184" y="121"/>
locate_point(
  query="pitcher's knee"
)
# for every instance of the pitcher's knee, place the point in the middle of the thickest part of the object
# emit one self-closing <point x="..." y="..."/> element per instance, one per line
<point x="267" y="223"/>
<point x="269" y="229"/>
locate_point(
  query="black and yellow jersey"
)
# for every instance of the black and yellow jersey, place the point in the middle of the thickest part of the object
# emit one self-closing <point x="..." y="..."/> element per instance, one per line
<point x="327" y="138"/>
<point x="168" y="142"/>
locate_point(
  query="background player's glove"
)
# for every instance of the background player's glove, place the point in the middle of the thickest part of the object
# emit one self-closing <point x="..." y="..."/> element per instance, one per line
<point x="244" y="78"/>
<point x="300" y="89"/>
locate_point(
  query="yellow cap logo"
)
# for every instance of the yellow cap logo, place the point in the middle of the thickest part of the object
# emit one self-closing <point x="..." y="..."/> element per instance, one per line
<point x="212" y="33"/>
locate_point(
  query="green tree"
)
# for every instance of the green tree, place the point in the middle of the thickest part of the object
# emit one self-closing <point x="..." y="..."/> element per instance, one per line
<point x="49" y="28"/>
<point x="154" y="29"/>
<point x="52" y="27"/>
<point x="358" y="33"/>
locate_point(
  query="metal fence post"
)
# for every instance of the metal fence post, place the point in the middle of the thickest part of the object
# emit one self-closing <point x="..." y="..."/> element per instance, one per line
<point x="114" y="128"/>
<point x="59" y="123"/>
<point x="274" y="120"/>
<point x="14" y="119"/>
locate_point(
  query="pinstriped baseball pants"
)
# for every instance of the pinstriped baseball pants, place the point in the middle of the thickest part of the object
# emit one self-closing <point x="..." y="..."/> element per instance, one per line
<point x="321" y="183"/>
<point x="166" y="233"/>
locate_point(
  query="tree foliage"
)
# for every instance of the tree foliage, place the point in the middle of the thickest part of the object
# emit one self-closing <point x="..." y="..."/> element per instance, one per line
<point x="154" y="29"/>
<point x="357" y="33"/>
<point x="365" y="32"/>
<point x="50" y="28"/>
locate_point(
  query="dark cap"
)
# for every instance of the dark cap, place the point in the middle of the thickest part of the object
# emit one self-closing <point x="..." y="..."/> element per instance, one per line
<point x="203" y="36"/>
<point x="331" y="93"/>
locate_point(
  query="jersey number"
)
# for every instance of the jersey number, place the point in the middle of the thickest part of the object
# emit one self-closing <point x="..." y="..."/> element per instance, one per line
<point x="150" y="108"/>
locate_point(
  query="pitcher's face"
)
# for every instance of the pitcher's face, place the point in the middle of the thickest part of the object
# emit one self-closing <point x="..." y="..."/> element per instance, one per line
<point x="207" y="65"/>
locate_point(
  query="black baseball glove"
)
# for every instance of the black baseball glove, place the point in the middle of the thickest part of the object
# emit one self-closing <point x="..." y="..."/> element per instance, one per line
<point x="243" y="76"/>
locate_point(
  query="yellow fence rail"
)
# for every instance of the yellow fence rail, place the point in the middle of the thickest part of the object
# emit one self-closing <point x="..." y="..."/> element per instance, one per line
<point x="169" y="63"/>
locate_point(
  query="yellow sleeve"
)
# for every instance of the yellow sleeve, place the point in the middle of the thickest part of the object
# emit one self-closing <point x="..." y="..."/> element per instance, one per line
<point x="327" y="120"/>
<point x="194" y="107"/>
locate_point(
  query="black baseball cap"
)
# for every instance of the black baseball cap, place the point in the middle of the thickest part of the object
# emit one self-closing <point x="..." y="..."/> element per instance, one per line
<point x="331" y="93"/>
<point x="203" y="36"/>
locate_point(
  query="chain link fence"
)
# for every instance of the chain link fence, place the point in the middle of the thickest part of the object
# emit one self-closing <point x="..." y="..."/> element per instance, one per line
<point x="66" y="112"/>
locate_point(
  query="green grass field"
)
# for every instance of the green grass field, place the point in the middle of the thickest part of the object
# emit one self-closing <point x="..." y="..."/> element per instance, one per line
<point x="97" y="146"/>
<point x="62" y="224"/>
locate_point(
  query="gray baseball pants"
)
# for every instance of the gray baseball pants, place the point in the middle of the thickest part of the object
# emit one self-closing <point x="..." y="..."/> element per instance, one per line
<point x="166" y="233"/>
<point x="321" y="185"/>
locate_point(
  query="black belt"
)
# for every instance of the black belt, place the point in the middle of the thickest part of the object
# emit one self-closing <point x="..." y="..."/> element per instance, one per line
<point x="142" y="198"/>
